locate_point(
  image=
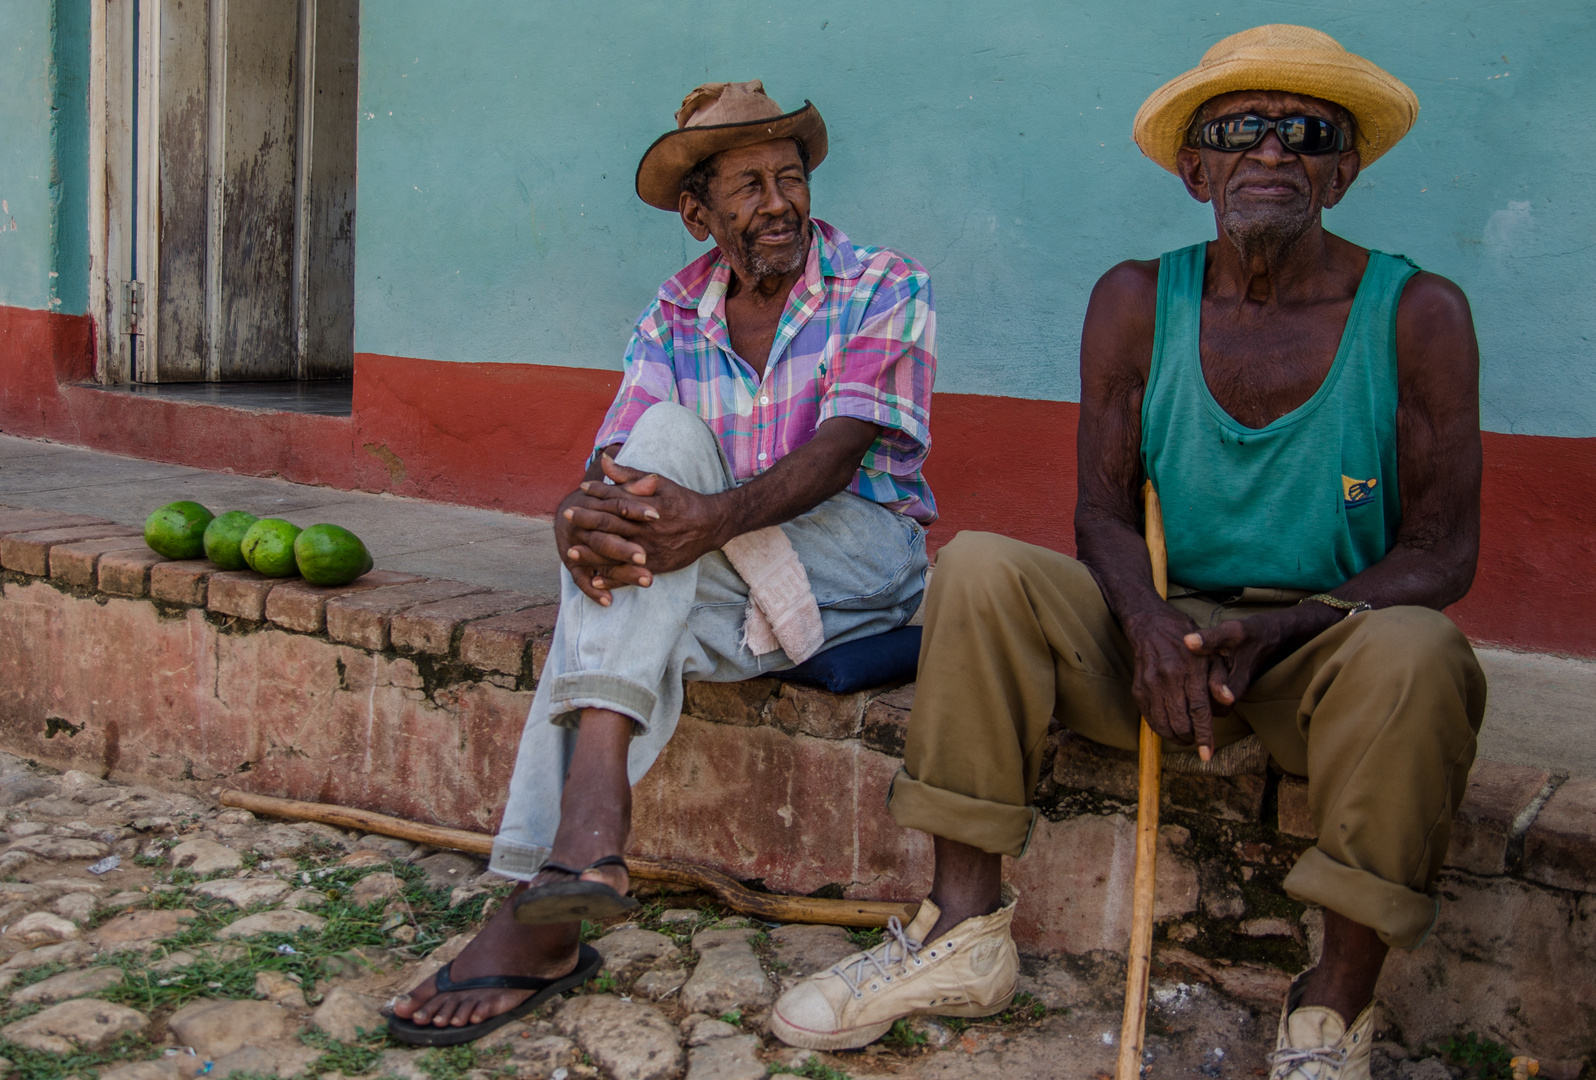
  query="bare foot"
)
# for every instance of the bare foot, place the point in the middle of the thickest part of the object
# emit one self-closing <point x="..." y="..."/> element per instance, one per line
<point x="502" y="947"/>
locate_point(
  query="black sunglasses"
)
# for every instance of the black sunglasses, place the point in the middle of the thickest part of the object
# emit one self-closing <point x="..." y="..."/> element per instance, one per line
<point x="1299" y="134"/>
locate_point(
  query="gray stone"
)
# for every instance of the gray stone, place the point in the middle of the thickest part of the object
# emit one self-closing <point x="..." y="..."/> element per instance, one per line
<point x="809" y="949"/>
<point x="375" y="888"/>
<point x="80" y="1024"/>
<point x="203" y="857"/>
<point x="447" y="869"/>
<point x="305" y="898"/>
<point x="21" y="786"/>
<point x="679" y="916"/>
<point x="67" y="952"/>
<point x="280" y="841"/>
<point x="389" y="847"/>
<point x="732" y="1058"/>
<point x="343" y="1014"/>
<point x="59" y="848"/>
<point x="272" y="922"/>
<point x="244" y="892"/>
<point x="217" y="1028"/>
<point x="40" y="928"/>
<point x="405" y="1064"/>
<point x="78" y="907"/>
<point x="630" y="951"/>
<point x="707" y="1028"/>
<point x="139" y="930"/>
<point x="69" y="984"/>
<point x="728" y="975"/>
<point x="536" y="1058"/>
<point x="276" y="987"/>
<point x="659" y="985"/>
<point x="124" y="899"/>
<point x="629" y="1041"/>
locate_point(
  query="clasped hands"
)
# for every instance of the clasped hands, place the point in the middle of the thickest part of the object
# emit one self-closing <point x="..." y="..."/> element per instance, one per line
<point x="612" y="535"/>
<point x="1185" y="676"/>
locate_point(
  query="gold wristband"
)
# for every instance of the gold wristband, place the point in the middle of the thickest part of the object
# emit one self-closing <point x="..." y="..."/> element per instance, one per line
<point x="1351" y="607"/>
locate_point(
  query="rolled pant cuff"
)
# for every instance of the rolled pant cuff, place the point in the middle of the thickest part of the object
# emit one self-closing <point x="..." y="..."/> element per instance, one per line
<point x="570" y="693"/>
<point x="519" y="862"/>
<point x="998" y="828"/>
<point x="1400" y="916"/>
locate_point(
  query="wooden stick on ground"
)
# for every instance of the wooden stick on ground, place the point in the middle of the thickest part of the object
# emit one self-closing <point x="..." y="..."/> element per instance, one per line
<point x="767" y="906"/>
<point x="1151" y="760"/>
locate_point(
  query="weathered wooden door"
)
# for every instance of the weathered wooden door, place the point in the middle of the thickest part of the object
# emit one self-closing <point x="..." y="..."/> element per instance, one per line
<point x="230" y="169"/>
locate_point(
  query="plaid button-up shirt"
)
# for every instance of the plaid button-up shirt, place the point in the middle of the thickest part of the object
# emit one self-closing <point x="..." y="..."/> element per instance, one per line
<point x="858" y="338"/>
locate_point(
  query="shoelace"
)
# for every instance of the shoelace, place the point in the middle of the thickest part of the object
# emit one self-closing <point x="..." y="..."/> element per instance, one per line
<point x="1288" y="1059"/>
<point x="882" y="958"/>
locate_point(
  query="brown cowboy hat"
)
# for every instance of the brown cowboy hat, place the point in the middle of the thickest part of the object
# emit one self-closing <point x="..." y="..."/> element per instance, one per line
<point x="716" y="117"/>
<point x="1295" y="59"/>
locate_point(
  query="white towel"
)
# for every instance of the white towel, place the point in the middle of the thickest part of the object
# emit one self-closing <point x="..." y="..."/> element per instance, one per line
<point x="782" y="612"/>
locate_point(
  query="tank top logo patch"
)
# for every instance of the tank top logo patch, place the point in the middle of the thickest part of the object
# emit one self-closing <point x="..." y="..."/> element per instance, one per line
<point x="1357" y="492"/>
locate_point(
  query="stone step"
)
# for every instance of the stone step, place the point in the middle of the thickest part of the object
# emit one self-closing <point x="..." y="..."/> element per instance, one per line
<point x="414" y="704"/>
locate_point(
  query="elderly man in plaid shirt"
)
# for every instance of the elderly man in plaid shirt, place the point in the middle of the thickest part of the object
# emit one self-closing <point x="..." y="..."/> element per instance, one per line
<point x="755" y="495"/>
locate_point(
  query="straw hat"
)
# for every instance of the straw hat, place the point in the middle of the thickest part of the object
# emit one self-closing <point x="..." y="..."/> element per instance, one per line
<point x="1295" y="59"/>
<point x="716" y="117"/>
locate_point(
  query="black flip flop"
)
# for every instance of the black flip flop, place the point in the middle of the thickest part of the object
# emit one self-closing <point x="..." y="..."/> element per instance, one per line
<point x="588" y="963"/>
<point x="572" y="901"/>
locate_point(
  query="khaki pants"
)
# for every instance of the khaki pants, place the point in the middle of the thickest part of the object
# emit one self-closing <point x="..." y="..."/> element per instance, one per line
<point x="1380" y="712"/>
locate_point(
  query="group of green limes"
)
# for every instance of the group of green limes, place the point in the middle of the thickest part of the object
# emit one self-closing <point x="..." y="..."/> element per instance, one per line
<point x="321" y="554"/>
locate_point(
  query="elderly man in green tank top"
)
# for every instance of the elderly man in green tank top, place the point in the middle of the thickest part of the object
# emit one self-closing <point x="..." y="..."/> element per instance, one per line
<point x="1306" y="410"/>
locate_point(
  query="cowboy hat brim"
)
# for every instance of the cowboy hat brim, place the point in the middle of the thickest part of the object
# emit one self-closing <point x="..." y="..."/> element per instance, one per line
<point x="1383" y="106"/>
<point x="673" y="155"/>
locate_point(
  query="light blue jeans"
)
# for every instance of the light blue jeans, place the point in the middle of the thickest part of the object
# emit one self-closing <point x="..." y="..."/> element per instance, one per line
<point x="866" y="567"/>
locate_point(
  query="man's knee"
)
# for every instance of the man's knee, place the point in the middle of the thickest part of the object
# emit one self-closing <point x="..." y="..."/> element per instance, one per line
<point x="1414" y="638"/>
<point x="672" y="440"/>
<point x="990" y="565"/>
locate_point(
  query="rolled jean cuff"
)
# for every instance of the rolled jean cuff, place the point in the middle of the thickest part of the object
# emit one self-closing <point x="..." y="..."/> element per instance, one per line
<point x="520" y="862"/>
<point x="1400" y="916"/>
<point x="997" y="828"/>
<point x="574" y="691"/>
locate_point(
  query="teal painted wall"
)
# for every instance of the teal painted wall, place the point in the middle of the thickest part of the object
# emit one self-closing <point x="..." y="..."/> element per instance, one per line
<point x="498" y="141"/>
<point x="44" y="59"/>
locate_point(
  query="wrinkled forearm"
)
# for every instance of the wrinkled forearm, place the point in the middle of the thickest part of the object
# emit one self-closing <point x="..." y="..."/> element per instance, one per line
<point x="798" y="483"/>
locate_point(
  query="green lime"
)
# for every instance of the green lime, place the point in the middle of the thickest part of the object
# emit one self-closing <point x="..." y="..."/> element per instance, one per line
<point x="268" y="547"/>
<point x="331" y="555"/>
<point x="177" y="530"/>
<point x="224" y="534"/>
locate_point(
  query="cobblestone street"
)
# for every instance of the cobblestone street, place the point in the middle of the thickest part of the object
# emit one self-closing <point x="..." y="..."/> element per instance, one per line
<point x="222" y="945"/>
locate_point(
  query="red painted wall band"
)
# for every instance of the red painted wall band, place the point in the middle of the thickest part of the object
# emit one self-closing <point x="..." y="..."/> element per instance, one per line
<point x="514" y="437"/>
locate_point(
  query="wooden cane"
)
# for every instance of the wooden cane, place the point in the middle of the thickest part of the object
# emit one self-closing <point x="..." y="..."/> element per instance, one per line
<point x="1150" y="768"/>
<point x="767" y="906"/>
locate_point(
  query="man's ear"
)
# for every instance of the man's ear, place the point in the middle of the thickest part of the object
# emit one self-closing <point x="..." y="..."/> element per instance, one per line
<point x="1192" y="173"/>
<point x="1347" y="170"/>
<point x="693" y="217"/>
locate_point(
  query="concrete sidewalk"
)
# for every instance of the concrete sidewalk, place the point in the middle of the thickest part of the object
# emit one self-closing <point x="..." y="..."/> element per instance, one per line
<point x="484" y="547"/>
<point x="1540" y="712"/>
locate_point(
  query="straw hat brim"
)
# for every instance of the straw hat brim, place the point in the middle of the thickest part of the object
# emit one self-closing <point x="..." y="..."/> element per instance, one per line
<point x="1382" y="105"/>
<point x="673" y="155"/>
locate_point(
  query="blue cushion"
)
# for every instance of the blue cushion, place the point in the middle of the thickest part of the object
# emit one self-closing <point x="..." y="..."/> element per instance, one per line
<point x="871" y="661"/>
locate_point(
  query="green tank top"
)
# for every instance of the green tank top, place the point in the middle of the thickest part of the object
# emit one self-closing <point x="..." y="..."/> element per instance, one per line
<point x="1304" y="503"/>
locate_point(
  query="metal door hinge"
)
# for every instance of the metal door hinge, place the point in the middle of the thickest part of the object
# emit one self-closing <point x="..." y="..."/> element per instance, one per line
<point x="132" y="307"/>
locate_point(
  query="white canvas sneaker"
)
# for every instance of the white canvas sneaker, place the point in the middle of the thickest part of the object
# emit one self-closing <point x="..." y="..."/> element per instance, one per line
<point x="969" y="971"/>
<point x="1314" y="1043"/>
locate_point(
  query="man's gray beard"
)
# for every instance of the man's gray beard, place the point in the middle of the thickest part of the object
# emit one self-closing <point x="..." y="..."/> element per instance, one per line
<point x="760" y="267"/>
<point x="1270" y="232"/>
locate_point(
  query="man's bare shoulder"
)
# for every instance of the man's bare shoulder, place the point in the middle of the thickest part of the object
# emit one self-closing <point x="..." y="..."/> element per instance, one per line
<point x="1432" y="302"/>
<point x="1117" y="338"/>
<point x="1133" y="285"/>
